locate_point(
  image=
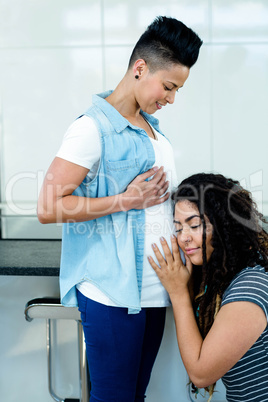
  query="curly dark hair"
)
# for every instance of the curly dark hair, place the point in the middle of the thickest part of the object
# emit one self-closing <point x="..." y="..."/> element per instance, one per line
<point x="239" y="239"/>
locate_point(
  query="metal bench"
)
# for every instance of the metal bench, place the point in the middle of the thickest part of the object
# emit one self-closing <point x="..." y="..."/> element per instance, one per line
<point x="52" y="309"/>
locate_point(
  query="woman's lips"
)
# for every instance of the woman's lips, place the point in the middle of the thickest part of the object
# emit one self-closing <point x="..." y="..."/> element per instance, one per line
<point x="158" y="105"/>
<point x="191" y="250"/>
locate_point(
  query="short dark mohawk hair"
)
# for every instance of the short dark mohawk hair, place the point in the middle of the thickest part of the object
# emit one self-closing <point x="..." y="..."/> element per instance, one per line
<point x="167" y="41"/>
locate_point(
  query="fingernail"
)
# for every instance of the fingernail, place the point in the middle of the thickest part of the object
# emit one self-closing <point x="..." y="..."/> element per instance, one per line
<point x="155" y="168"/>
<point x="149" y="258"/>
<point x="154" y="245"/>
<point x="162" y="238"/>
<point x="173" y="236"/>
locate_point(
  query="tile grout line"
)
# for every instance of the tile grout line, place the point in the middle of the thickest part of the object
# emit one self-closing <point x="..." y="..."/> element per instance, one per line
<point x="210" y="22"/>
<point x="103" y="48"/>
<point x="1" y="162"/>
<point x="102" y="44"/>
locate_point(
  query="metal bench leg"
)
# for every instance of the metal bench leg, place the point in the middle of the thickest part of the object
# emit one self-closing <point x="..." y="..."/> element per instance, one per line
<point x="83" y="365"/>
<point x="49" y="363"/>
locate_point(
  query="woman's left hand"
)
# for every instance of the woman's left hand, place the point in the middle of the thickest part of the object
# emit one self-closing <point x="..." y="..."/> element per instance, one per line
<point x="173" y="274"/>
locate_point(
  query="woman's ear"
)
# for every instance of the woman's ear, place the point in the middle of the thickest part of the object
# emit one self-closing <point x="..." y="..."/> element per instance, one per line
<point x="139" y="68"/>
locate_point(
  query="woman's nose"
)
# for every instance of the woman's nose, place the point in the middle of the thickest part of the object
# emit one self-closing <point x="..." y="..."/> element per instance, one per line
<point x="185" y="236"/>
<point x="170" y="97"/>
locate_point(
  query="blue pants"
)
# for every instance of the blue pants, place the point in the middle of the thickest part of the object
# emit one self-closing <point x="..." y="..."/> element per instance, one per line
<point x="121" y="349"/>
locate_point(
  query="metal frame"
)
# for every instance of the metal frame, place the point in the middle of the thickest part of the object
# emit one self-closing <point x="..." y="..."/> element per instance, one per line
<point x="51" y="309"/>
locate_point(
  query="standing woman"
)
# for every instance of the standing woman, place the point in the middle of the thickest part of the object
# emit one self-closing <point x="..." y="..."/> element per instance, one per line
<point x="220" y="297"/>
<point x="99" y="186"/>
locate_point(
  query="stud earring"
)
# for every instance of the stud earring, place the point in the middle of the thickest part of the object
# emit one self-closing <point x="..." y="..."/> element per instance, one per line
<point x="136" y="76"/>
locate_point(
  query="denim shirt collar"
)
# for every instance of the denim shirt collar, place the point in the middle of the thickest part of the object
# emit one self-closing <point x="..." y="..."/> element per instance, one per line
<point x="117" y="120"/>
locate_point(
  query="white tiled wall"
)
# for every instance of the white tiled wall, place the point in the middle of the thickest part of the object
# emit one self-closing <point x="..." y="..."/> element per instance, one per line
<point x="55" y="54"/>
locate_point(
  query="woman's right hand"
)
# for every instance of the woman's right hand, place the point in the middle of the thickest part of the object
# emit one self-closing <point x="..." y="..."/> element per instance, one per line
<point x="141" y="193"/>
<point x="58" y="204"/>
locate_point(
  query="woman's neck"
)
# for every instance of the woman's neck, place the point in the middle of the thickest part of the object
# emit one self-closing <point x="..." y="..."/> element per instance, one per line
<point x="123" y="99"/>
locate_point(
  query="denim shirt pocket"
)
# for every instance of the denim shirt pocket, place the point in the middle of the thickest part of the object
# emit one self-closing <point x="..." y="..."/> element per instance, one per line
<point x="120" y="174"/>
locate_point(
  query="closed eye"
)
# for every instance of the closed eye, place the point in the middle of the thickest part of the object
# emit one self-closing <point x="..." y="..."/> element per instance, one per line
<point x="195" y="227"/>
<point x="191" y="227"/>
<point x="166" y="88"/>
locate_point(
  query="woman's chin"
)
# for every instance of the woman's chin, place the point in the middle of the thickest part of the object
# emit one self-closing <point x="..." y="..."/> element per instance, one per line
<point x="195" y="261"/>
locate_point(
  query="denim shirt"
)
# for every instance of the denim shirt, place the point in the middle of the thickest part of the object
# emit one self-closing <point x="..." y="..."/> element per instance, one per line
<point x="108" y="251"/>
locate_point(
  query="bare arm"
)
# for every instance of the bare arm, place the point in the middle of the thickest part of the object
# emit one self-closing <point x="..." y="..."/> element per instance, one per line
<point x="236" y="328"/>
<point x="57" y="204"/>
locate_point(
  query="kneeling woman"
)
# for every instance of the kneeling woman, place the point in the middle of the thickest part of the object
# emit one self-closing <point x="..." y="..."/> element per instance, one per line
<point x="220" y="294"/>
